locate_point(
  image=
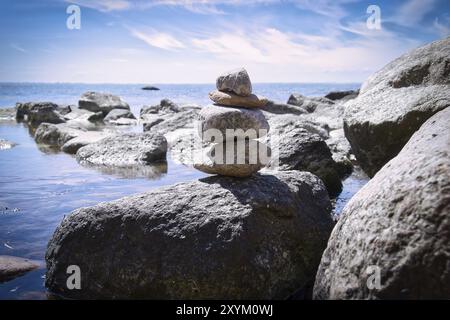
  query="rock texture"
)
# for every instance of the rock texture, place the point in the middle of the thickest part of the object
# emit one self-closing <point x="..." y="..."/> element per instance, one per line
<point x="55" y="134"/>
<point x="221" y="118"/>
<point x="83" y="139"/>
<point x="281" y="108"/>
<point x="125" y="150"/>
<point x="233" y="100"/>
<point x="13" y="267"/>
<point x="237" y="82"/>
<point x="399" y="222"/>
<point x="104" y="102"/>
<point x="217" y="238"/>
<point x="302" y="149"/>
<point x="164" y="107"/>
<point x="244" y="159"/>
<point x="117" y="114"/>
<point x="342" y="95"/>
<point x="170" y="122"/>
<point x="395" y="102"/>
<point x="308" y="103"/>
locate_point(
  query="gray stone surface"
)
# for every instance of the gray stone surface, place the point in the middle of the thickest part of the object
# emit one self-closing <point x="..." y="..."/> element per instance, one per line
<point x="13" y="267"/>
<point x="281" y="108"/>
<point x="83" y="139"/>
<point x="395" y="101"/>
<point x="104" y="102"/>
<point x="164" y="107"/>
<point x="222" y="118"/>
<point x="244" y="158"/>
<point x="125" y="150"/>
<point x="55" y="134"/>
<point x="117" y="114"/>
<point x="399" y="221"/>
<point x="236" y="81"/>
<point x="308" y="103"/>
<point x="166" y="123"/>
<point x="342" y="95"/>
<point x="217" y="238"/>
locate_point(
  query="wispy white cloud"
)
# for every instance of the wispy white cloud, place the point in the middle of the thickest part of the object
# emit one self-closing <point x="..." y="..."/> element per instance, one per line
<point x="157" y="39"/>
<point x="17" y="47"/>
<point x="103" y="5"/>
<point x="412" y="12"/>
<point x="442" y="28"/>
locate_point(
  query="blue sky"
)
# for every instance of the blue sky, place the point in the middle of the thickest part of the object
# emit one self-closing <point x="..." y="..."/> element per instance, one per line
<point x="192" y="41"/>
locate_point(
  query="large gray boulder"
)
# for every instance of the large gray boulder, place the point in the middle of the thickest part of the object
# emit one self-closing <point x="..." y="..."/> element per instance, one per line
<point x="216" y="238"/>
<point x="395" y="102"/>
<point x="104" y="102"/>
<point x="40" y="112"/>
<point x="302" y="149"/>
<point x="55" y="134"/>
<point x="83" y="139"/>
<point x="223" y="118"/>
<point x="124" y="150"/>
<point x="13" y="267"/>
<point x="237" y="82"/>
<point x="398" y="222"/>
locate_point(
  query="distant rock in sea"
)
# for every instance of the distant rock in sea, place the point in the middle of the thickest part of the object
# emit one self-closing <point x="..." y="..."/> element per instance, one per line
<point x="150" y="88"/>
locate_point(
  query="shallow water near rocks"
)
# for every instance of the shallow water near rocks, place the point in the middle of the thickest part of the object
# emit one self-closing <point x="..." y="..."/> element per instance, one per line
<point x="38" y="186"/>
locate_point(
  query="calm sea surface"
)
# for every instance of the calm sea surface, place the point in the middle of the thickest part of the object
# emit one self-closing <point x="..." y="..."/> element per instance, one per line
<point x="38" y="187"/>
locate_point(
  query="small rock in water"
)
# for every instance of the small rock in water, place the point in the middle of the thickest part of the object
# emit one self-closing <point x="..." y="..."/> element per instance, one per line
<point x="104" y="102"/>
<point x="125" y="150"/>
<point x="231" y="99"/>
<point x="12" y="267"/>
<point x="236" y="81"/>
<point x="151" y="88"/>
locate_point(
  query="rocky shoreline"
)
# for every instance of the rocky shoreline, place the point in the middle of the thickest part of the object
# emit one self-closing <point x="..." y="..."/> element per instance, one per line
<point x="264" y="230"/>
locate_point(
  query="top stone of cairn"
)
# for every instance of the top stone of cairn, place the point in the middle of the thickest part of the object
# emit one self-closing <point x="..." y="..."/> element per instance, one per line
<point x="236" y="81"/>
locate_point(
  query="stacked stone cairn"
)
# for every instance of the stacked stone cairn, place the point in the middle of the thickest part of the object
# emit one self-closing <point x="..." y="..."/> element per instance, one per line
<point x="230" y="128"/>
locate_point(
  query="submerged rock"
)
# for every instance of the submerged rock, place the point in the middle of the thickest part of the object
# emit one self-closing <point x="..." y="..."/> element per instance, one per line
<point x="125" y="150"/>
<point x="104" y="102"/>
<point x="395" y="102"/>
<point x="399" y="223"/>
<point x="223" y="118"/>
<point x="217" y="238"/>
<point x="237" y="82"/>
<point x="233" y="100"/>
<point x="13" y="267"/>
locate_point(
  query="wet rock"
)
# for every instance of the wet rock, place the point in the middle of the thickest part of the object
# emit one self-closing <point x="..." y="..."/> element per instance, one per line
<point x="217" y="238"/>
<point x="223" y="118"/>
<point x="399" y="223"/>
<point x="55" y="134"/>
<point x="83" y="139"/>
<point x="125" y="150"/>
<point x="237" y="82"/>
<point x="395" y="102"/>
<point x="13" y="267"/>
<point x="233" y="100"/>
<point x="104" y="102"/>
<point x="234" y="158"/>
